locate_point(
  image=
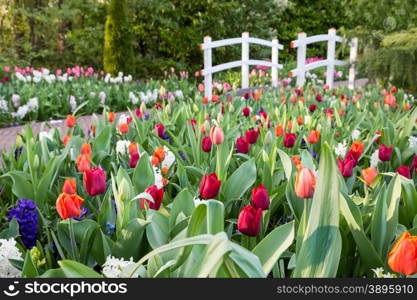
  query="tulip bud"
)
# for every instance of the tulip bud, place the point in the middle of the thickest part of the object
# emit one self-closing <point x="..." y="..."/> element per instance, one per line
<point x="268" y="138"/>
<point x="195" y="108"/>
<point x="216" y="135"/>
<point x="209" y="186"/>
<point x="249" y="221"/>
<point x="231" y="107"/>
<point x="142" y="108"/>
<point x="384" y="152"/>
<point x="260" y="197"/>
<point x="305" y="183"/>
<point x="36" y="161"/>
<point x="70" y="186"/>
<point x="168" y="109"/>
<point x="19" y="141"/>
<point x="219" y="118"/>
<point x="206" y="144"/>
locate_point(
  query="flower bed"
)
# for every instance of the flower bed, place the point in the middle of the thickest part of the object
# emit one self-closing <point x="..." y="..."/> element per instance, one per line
<point x="266" y="184"/>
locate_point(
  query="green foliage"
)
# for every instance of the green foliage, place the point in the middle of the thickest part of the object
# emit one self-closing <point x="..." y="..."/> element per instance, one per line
<point x="118" y="51"/>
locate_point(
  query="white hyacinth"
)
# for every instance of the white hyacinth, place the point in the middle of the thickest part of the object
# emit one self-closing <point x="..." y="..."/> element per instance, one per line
<point x="122" y="146"/>
<point x="412" y="141"/>
<point x="8" y="250"/>
<point x="355" y="134"/>
<point x="375" y="159"/>
<point x="21" y="112"/>
<point x="158" y="177"/>
<point x="169" y="158"/>
<point x="133" y="98"/>
<point x="341" y="149"/>
<point x="33" y="104"/>
<point x="379" y="273"/>
<point x="179" y="94"/>
<point x="3" y="106"/>
<point x="198" y="201"/>
<point x="73" y="103"/>
<point x="16" y="100"/>
<point x="102" y="97"/>
<point x="117" y="267"/>
<point x="45" y="135"/>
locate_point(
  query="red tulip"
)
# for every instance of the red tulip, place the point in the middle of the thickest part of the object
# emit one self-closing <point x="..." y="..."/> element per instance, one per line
<point x="249" y="221"/>
<point x="252" y="136"/>
<point x="246" y="111"/>
<point x="160" y="129"/>
<point x="216" y="135"/>
<point x="384" y="152"/>
<point x="83" y="163"/>
<point x="318" y="98"/>
<point x="71" y="120"/>
<point x="157" y="195"/>
<point x="346" y="166"/>
<point x="134" y="158"/>
<point x="242" y="146"/>
<point x="260" y="197"/>
<point x="68" y="205"/>
<point x="206" y="144"/>
<point x="312" y="107"/>
<point x="403" y="255"/>
<point x="85" y="149"/>
<point x="305" y="183"/>
<point x="209" y="186"/>
<point x="70" y="186"/>
<point x="66" y="139"/>
<point x="289" y="139"/>
<point x="110" y="116"/>
<point x="124" y="128"/>
<point x="313" y="137"/>
<point x="95" y="181"/>
<point x="404" y="171"/>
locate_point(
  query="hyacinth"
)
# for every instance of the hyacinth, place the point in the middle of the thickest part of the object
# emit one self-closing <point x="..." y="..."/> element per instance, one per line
<point x="26" y="215"/>
<point x="117" y="267"/>
<point x="8" y="250"/>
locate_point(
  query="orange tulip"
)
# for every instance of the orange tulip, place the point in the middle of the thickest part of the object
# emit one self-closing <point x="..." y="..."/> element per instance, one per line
<point x="165" y="170"/>
<point x="110" y="116"/>
<point x="369" y="175"/>
<point x="160" y="153"/>
<point x="68" y="205"/>
<point x="83" y="163"/>
<point x="305" y="183"/>
<point x="390" y="100"/>
<point x="300" y="120"/>
<point x="297" y="162"/>
<point x="66" y="139"/>
<point x="155" y="161"/>
<point x="313" y="137"/>
<point x="70" y="186"/>
<point x="124" y="128"/>
<point x="71" y="120"/>
<point x="133" y="148"/>
<point x="85" y="149"/>
<point x="357" y="148"/>
<point x="403" y="255"/>
<point x="279" y="130"/>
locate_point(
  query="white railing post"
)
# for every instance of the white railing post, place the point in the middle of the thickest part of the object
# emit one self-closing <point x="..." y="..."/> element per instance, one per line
<point x="245" y="60"/>
<point x="352" y="62"/>
<point x="301" y="58"/>
<point x="331" y="49"/>
<point x="207" y="66"/>
<point x="274" y="70"/>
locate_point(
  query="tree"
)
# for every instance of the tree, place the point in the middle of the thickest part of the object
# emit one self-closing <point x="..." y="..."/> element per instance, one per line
<point x="118" y="48"/>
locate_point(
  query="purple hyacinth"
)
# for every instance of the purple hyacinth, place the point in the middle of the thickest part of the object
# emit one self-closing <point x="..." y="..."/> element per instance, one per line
<point x="26" y="215"/>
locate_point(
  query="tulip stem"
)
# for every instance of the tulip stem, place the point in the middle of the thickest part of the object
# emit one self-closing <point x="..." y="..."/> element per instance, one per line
<point x="73" y="243"/>
<point x="305" y="215"/>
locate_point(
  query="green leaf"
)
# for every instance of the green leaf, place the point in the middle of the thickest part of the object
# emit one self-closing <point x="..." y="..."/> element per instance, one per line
<point x="143" y="175"/>
<point x="29" y="269"/>
<point x="270" y="249"/>
<point x="73" y="269"/>
<point x="240" y="181"/>
<point x="157" y="230"/>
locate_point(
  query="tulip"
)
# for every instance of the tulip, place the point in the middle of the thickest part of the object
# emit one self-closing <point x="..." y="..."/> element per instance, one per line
<point x="297" y="162"/>
<point x="403" y="255"/>
<point x="346" y="166"/>
<point x="313" y="137"/>
<point x="160" y="130"/>
<point x="68" y="205"/>
<point x="242" y="146"/>
<point x="384" y="152"/>
<point x="318" y="98"/>
<point x="312" y="107"/>
<point x="279" y="130"/>
<point x="124" y="128"/>
<point x="249" y="221"/>
<point x="260" y="197"/>
<point x="134" y="158"/>
<point x="85" y="149"/>
<point x="252" y="136"/>
<point x="246" y="111"/>
<point x="404" y="171"/>
<point x="369" y="175"/>
<point x="70" y="186"/>
<point x="110" y="116"/>
<point x="160" y="153"/>
<point x="216" y="135"/>
<point x="305" y="183"/>
<point x="157" y="195"/>
<point x="95" y="181"/>
<point x="71" y="120"/>
<point x="66" y="139"/>
<point x="206" y="144"/>
<point x="83" y="162"/>
<point x="209" y="186"/>
<point x="355" y="151"/>
<point x="133" y="147"/>
<point x="289" y="139"/>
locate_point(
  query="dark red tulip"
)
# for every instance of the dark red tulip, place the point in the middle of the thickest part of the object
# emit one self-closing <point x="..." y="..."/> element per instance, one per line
<point x="246" y="111"/>
<point x="138" y="113"/>
<point x="209" y="186"/>
<point x="404" y="171"/>
<point x="157" y="195"/>
<point x="384" y="152"/>
<point x="318" y="98"/>
<point x="252" y="136"/>
<point x="95" y="181"/>
<point x="193" y="123"/>
<point x="263" y="114"/>
<point x="160" y="130"/>
<point x="134" y="158"/>
<point x="242" y="145"/>
<point x="346" y="166"/>
<point x="246" y="95"/>
<point x="260" y="197"/>
<point x="312" y="107"/>
<point x="206" y="144"/>
<point x="249" y="221"/>
<point x="289" y="139"/>
<point x="298" y="92"/>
